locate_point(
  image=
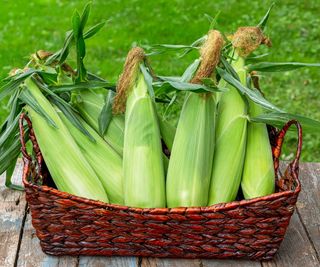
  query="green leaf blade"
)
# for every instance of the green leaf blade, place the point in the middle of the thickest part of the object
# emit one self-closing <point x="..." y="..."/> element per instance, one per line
<point x="279" y="66"/>
<point x="262" y="24"/>
<point x="253" y="95"/>
<point x="105" y="115"/>
<point x="278" y="119"/>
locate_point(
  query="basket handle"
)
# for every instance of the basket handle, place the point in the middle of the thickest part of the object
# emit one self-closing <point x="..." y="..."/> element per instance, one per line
<point x="26" y="157"/>
<point x="293" y="167"/>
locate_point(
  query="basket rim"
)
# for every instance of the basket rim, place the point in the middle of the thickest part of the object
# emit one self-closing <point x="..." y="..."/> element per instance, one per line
<point x="213" y="208"/>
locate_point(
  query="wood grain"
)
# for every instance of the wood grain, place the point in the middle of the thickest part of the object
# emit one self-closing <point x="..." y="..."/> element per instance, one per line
<point x="296" y="249"/>
<point x="108" y="261"/>
<point x="154" y="262"/>
<point x="30" y="253"/>
<point x="309" y="202"/>
<point x="230" y="263"/>
<point x="12" y="208"/>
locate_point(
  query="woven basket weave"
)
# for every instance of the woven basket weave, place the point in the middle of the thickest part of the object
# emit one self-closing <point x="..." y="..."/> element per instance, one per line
<point x="71" y="225"/>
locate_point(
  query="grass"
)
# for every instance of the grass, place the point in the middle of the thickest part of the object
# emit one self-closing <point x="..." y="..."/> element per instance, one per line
<point x="27" y="26"/>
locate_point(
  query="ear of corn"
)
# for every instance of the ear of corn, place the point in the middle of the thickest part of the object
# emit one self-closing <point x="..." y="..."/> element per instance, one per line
<point x="105" y="161"/>
<point x="144" y="179"/>
<point x="258" y="172"/>
<point x="231" y="136"/>
<point x="258" y="177"/>
<point x="89" y="104"/>
<point x="190" y="164"/>
<point x="68" y="167"/>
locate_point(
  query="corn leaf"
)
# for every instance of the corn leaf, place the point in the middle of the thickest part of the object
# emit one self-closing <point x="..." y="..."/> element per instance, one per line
<point x="62" y="54"/>
<point x="254" y="57"/>
<point x="14" y="82"/>
<point x="9" y="153"/>
<point x="161" y="100"/>
<point x="252" y="94"/>
<point x="82" y="86"/>
<point x="195" y="45"/>
<point x="77" y="23"/>
<point x="10" y="131"/>
<point x="85" y="16"/>
<point x="213" y="20"/>
<point x="279" y="66"/>
<point x="9" y="174"/>
<point x="278" y="119"/>
<point x="190" y="71"/>
<point x="169" y="78"/>
<point x="165" y="87"/>
<point x="106" y="114"/>
<point x="94" y="77"/>
<point x="173" y="46"/>
<point x="262" y="24"/>
<point x="93" y="30"/>
<point x="148" y="79"/>
<point x="48" y="78"/>
<point x="15" y="111"/>
<point x="229" y="68"/>
<point x="69" y="111"/>
<point x="27" y="97"/>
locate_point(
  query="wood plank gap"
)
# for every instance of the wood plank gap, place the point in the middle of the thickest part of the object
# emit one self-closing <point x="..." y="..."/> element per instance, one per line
<point x="139" y="261"/>
<point x="77" y="261"/>
<point x="308" y="235"/>
<point x="21" y="233"/>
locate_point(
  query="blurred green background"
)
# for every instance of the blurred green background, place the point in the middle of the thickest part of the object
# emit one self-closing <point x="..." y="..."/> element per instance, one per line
<point x="294" y="28"/>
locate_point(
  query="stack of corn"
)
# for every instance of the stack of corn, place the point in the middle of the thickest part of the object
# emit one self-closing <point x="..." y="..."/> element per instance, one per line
<point x="68" y="167"/>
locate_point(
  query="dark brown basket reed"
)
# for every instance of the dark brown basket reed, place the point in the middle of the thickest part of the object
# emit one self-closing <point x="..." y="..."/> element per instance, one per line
<point x="69" y="225"/>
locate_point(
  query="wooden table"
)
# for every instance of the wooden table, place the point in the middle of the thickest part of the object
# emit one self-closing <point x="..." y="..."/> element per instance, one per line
<point x="19" y="245"/>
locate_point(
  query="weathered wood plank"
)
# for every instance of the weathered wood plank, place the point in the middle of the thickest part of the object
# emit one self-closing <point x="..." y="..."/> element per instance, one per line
<point x="296" y="249"/>
<point x="30" y="253"/>
<point x="309" y="202"/>
<point x="108" y="261"/>
<point x="230" y="263"/>
<point x="12" y="208"/>
<point x="153" y="262"/>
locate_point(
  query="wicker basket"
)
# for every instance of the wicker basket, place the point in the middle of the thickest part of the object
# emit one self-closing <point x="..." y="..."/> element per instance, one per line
<point x="71" y="225"/>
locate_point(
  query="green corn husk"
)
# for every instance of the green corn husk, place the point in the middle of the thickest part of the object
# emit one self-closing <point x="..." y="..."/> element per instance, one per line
<point x="258" y="177"/>
<point x="144" y="179"/>
<point x="89" y="104"/>
<point x="190" y="164"/>
<point x="165" y="163"/>
<point x="231" y="136"/>
<point x="104" y="160"/>
<point x="69" y="169"/>
<point x="167" y="132"/>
